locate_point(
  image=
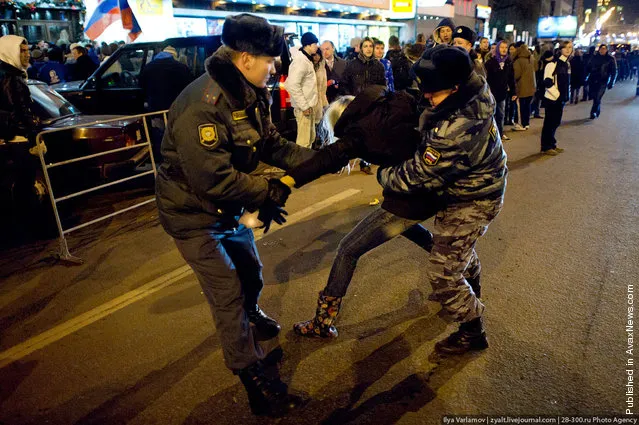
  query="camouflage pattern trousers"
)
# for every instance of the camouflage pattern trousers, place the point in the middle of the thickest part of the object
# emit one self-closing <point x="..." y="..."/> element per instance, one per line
<point x="451" y="246"/>
<point x="453" y="257"/>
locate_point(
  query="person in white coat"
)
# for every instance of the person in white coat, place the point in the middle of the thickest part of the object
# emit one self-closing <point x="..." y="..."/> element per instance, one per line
<point x="302" y="86"/>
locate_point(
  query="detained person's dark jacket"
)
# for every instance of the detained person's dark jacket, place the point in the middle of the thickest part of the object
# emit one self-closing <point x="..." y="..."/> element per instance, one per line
<point x="219" y="127"/>
<point x="461" y="157"/>
<point x="381" y="128"/>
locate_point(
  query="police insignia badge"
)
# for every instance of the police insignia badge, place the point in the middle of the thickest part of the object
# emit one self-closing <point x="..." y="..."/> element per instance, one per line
<point x="208" y="135"/>
<point x="239" y="115"/>
<point x="431" y="156"/>
<point x="459" y="31"/>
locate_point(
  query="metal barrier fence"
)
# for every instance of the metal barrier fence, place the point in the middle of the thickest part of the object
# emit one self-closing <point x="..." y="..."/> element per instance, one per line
<point x="64" y="248"/>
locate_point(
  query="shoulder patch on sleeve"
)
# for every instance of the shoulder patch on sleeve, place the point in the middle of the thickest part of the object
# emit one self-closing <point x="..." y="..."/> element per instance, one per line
<point x="431" y="156"/>
<point x="208" y="136"/>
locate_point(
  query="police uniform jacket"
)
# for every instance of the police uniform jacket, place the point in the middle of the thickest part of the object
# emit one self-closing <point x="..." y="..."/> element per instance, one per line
<point x="218" y="129"/>
<point x="461" y="157"/>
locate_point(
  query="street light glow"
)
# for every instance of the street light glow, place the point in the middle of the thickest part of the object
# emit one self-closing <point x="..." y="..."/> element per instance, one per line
<point x="604" y="18"/>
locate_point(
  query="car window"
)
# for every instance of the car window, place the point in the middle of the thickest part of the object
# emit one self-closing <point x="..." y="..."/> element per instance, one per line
<point x="124" y="72"/>
<point x="200" y="58"/>
<point x="188" y="56"/>
<point x="48" y="104"/>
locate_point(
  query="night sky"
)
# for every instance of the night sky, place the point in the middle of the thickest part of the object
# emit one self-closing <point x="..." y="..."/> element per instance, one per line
<point x="631" y="8"/>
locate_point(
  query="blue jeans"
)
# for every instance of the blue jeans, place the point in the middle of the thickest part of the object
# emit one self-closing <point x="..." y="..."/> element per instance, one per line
<point x="375" y="229"/>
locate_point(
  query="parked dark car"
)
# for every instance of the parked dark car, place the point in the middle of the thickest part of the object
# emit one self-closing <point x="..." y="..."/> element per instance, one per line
<point x="26" y="206"/>
<point x="114" y="88"/>
<point x="56" y="112"/>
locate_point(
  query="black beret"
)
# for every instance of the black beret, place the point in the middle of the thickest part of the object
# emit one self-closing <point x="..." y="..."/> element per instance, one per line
<point x="442" y="67"/>
<point x="465" y="33"/>
<point x="253" y="34"/>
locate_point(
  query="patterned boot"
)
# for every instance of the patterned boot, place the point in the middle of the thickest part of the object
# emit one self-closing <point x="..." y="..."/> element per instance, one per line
<point x="469" y="337"/>
<point x="321" y="326"/>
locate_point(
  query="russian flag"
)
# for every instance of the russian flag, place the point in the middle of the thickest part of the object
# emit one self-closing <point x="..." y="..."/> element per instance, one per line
<point x="128" y="20"/>
<point x="107" y="12"/>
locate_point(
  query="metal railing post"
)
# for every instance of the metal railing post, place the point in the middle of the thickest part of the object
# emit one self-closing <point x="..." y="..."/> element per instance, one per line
<point x="64" y="248"/>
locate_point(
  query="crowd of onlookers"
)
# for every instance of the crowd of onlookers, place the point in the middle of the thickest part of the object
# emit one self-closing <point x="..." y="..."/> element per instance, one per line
<point x="62" y="62"/>
<point x="515" y="73"/>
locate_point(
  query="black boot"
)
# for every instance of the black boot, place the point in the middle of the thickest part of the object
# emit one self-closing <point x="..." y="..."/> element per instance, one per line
<point x="475" y="284"/>
<point x="469" y="337"/>
<point x="267" y="395"/>
<point x="266" y="327"/>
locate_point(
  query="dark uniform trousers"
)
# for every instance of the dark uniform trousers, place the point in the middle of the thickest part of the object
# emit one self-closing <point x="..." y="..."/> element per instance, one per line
<point x="229" y="270"/>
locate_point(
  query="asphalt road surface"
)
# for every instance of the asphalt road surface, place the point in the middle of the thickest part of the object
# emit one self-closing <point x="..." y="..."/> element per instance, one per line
<point x="127" y="337"/>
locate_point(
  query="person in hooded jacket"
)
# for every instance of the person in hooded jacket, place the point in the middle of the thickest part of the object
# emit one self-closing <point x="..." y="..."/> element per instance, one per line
<point x="524" y="72"/>
<point x="458" y="172"/>
<point x="18" y="129"/>
<point x="218" y="129"/>
<point x="557" y="84"/>
<point x="16" y="116"/>
<point x="443" y="34"/>
<point x="501" y="79"/>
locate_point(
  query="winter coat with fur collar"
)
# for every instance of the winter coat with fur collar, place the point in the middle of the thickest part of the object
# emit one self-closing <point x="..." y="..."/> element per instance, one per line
<point x="219" y="128"/>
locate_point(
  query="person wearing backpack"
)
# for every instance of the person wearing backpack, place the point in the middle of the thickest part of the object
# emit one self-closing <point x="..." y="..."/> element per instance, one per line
<point x="557" y="83"/>
<point x="400" y="64"/>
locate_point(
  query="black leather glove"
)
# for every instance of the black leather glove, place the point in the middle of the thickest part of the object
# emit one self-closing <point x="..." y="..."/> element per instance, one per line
<point x="270" y="212"/>
<point x="272" y="209"/>
<point x="277" y="192"/>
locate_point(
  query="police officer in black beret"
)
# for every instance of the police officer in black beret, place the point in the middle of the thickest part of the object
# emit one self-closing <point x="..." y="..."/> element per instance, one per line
<point x="218" y="129"/>
<point x="465" y="38"/>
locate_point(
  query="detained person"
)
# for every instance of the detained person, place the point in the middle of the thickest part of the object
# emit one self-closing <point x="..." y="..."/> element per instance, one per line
<point x="457" y="173"/>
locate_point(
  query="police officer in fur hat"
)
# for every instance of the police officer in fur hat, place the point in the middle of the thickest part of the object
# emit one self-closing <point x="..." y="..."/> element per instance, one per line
<point x="218" y="129"/>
